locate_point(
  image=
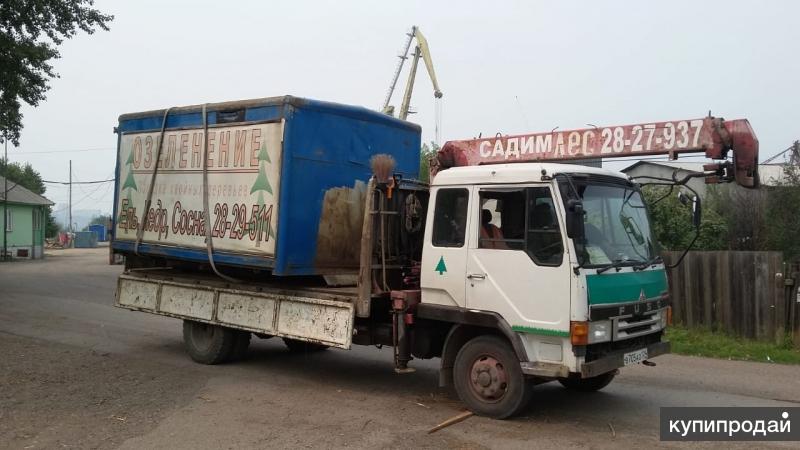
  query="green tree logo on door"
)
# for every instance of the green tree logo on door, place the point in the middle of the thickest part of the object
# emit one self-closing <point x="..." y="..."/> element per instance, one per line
<point x="441" y="268"/>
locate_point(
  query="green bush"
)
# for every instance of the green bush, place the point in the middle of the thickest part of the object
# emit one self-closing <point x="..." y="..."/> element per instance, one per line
<point x="672" y="222"/>
<point x="426" y="153"/>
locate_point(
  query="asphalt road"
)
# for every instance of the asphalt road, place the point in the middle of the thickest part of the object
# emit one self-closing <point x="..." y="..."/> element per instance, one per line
<point x="76" y="372"/>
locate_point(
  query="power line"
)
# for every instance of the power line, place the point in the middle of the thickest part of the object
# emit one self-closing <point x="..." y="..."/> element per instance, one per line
<point x="78" y="182"/>
<point x="81" y="199"/>
<point x="99" y="186"/>
<point x="77" y="150"/>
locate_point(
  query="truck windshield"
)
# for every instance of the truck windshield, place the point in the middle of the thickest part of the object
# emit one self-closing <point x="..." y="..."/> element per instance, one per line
<point x="616" y="225"/>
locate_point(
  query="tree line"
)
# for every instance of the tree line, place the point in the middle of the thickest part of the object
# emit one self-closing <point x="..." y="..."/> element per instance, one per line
<point x="734" y="218"/>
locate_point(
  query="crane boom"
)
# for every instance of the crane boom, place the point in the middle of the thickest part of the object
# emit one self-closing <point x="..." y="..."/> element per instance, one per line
<point x="713" y="136"/>
<point x="424" y="50"/>
<point x="421" y="50"/>
<point x="412" y="75"/>
<point x="397" y="70"/>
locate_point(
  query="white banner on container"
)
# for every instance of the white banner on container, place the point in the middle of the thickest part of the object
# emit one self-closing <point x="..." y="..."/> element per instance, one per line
<point x="243" y="181"/>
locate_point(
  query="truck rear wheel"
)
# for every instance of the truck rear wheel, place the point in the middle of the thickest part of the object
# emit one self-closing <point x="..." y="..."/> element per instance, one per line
<point x="206" y="343"/>
<point x="488" y="378"/>
<point x="588" y="384"/>
<point x="298" y="346"/>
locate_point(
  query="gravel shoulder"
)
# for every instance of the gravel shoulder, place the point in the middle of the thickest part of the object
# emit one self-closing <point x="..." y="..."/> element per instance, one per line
<point x="76" y="372"/>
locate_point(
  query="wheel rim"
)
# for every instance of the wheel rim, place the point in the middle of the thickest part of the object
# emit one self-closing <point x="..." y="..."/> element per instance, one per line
<point x="202" y="335"/>
<point x="488" y="379"/>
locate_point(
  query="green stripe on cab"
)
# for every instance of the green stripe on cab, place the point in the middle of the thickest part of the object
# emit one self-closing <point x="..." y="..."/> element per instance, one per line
<point x="542" y="331"/>
<point x="625" y="287"/>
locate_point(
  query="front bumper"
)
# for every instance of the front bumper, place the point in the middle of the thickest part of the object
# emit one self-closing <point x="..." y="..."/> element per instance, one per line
<point x="615" y="360"/>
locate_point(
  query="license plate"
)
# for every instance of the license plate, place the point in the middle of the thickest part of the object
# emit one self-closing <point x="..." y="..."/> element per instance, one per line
<point x="635" y="357"/>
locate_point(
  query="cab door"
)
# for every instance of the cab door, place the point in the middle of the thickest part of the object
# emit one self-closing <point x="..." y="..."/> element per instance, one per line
<point x="516" y="263"/>
<point x="444" y="256"/>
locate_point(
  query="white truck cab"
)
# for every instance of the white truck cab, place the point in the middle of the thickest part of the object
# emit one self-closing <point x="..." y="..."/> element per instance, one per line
<point x="496" y="242"/>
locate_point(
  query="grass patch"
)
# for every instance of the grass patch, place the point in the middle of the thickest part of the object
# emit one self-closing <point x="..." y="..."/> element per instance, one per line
<point x="703" y="342"/>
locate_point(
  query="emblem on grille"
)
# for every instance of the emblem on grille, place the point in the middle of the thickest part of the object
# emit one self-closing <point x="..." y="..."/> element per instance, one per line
<point x="642" y="297"/>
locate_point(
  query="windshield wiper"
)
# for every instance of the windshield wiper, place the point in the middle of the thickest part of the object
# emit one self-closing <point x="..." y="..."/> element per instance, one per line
<point x="614" y="265"/>
<point x="648" y="263"/>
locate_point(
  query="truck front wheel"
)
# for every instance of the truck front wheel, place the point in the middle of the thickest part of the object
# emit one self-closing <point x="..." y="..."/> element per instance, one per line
<point x="488" y="378"/>
<point x="588" y="384"/>
<point x="206" y="343"/>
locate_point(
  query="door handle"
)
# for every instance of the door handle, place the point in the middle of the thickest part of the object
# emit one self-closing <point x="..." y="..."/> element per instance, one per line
<point x="476" y="276"/>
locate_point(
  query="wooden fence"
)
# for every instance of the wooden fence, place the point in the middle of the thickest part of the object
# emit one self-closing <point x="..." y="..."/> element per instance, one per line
<point x="742" y="293"/>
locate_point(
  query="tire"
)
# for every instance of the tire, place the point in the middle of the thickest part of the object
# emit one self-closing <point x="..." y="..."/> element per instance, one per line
<point x="488" y="378"/>
<point x="240" y="345"/>
<point x="298" y="346"/>
<point x="208" y="344"/>
<point x="588" y="384"/>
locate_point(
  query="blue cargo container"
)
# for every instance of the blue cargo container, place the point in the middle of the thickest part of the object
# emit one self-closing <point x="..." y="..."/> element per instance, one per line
<point x="85" y="239"/>
<point x="100" y="230"/>
<point x="322" y="163"/>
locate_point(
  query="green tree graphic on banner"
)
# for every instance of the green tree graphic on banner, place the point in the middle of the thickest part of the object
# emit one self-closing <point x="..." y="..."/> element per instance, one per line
<point x="262" y="185"/>
<point x="130" y="182"/>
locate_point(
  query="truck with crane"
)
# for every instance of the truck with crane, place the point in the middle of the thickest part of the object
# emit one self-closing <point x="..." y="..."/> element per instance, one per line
<point x="304" y="220"/>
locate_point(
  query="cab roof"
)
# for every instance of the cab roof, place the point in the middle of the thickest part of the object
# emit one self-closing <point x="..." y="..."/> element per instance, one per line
<point x="513" y="173"/>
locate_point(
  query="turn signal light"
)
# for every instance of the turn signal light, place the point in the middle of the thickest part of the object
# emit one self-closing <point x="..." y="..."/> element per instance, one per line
<point x="579" y="333"/>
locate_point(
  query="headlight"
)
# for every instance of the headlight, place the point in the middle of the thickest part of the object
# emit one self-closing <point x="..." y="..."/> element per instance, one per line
<point x="666" y="318"/>
<point x="599" y="331"/>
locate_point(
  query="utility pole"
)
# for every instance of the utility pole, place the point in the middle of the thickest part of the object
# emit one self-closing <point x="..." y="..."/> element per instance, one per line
<point x="70" y="203"/>
<point x="5" y="197"/>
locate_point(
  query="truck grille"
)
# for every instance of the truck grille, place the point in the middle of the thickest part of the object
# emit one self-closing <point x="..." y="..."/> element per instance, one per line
<point x="634" y="326"/>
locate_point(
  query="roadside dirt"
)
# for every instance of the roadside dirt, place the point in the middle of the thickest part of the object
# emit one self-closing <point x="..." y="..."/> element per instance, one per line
<point x="59" y="396"/>
<point x="76" y="372"/>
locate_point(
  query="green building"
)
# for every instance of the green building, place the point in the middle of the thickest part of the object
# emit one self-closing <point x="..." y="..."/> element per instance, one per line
<point x="23" y="222"/>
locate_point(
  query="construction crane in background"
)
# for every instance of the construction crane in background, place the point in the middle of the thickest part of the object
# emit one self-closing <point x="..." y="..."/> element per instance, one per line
<point x="420" y="50"/>
<point x="790" y="156"/>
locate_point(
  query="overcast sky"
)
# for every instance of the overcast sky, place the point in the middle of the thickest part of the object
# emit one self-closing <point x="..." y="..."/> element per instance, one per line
<point x="508" y="67"/>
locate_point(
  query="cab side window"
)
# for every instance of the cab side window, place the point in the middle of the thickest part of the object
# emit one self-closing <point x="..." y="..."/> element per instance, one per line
<point x="502" y="220"/>
<point x="543" y="240"/>
<point x="450" y="217"/>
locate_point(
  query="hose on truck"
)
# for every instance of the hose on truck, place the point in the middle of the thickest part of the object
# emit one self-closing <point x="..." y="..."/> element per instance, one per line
<point x="206" y="210"/>
<point x="148" y="200"/>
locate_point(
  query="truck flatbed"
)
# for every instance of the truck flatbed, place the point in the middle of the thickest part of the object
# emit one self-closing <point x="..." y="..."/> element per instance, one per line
<point x="321" y="315"/>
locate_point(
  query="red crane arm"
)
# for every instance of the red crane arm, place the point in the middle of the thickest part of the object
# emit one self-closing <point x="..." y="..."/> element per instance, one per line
<point x="713" y="136"/>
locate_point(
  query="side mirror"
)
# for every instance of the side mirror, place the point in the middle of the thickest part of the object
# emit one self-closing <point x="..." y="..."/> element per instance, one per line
<point x="683" y="198"/>
<point x="697" y="212"/>
<point x="575" y="215"/>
